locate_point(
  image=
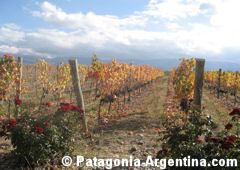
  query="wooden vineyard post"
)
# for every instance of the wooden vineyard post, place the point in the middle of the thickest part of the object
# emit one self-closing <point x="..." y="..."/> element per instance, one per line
<point x="77" y="89"/>
<point x="198" y="83"/>
<point x="58" y="94"/>
<point x="212" y="85"/>
<point x="130" y="83"/>
<point x="36" y="80"/>
<point x="219" y="82"/>
<point x="19" y="83"/>
<point x="235" y="89"/>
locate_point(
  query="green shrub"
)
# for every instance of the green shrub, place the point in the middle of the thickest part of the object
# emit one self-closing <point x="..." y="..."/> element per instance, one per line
<point x="195" y="138"/>
<point x="41" y="139"/>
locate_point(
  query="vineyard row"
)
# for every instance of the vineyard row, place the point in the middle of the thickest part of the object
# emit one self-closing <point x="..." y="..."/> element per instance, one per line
<point x="106" y="81"/>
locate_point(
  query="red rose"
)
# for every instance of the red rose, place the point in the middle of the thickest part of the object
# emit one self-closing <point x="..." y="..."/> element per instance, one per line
<point x="227" y="144"/>
<point x="75" y="108"/>
<point x="235" y="111"/>
<point x="39" y="130"/>
<point x="199" y="141"/>
<point x="226" y="138"/>
<point x="11" y="124"/>
<point x="48" y="104"/>
<point x="18" y="101"/>
<point x="66" y="107"/>
<point x="232" y="138"/>
<point x="46" y="124"/>
<point x="228" y="126"/>
<point x="190" y="100"/>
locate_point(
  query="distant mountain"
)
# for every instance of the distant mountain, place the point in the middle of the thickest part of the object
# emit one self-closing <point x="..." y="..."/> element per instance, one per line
<point x="169" y="63"/>
<point x="226" y="66"/>
<point x="165" y="64"/>
<point x="162" y="63"/>
<point x="56" y="60"/>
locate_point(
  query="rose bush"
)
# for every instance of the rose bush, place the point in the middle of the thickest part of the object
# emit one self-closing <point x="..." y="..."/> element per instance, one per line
<point x="196" y="138"/>
<point x="42" y="138"/>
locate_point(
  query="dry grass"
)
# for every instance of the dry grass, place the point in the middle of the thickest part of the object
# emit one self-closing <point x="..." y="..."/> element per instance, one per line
<point x="135" y="130"/>
<point x="216" y="109"/>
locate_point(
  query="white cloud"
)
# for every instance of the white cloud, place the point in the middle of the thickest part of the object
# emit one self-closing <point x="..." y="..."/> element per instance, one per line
<point x="9" y="49"/>
<point x="227" y="15"/>
<point x="172" y="9"/>
<point x="172" y="25"/>
<point x="19" y="50"/>
<point x="58" y="18"/>
<point x="89" y="33"/>
<point x="201" y="39"/>
<point x="8" y="34"/>
<point x="90" y="27"/>
<point x="222" y="32"/>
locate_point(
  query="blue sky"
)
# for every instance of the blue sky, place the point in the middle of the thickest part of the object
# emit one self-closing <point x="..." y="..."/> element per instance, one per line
<point x="141" y="29"/>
